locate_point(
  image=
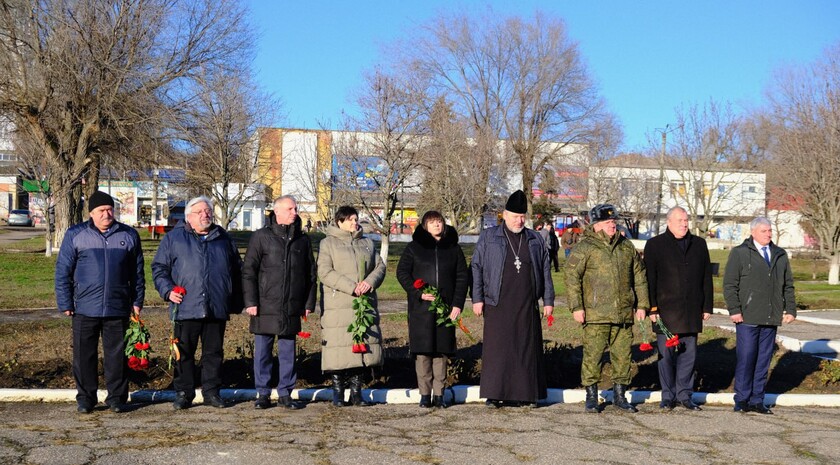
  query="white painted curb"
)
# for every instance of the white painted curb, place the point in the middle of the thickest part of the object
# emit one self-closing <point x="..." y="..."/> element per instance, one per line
<point x="461" y="395"/>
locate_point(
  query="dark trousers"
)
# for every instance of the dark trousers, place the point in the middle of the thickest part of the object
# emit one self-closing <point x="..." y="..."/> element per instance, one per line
<point x="211" y="333"/>
<point x="264" y="364"/>
<point x="86" y="332"/>
<point x="552" y="254"/>
<point x="676" y="370"/>
<point x="753" y="350"/>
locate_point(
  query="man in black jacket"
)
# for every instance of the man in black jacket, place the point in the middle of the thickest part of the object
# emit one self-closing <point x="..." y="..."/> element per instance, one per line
<point x="679" y="276"/>
<point x="279" y="288"/>
<point x="759" y="293"/>
<point x="200" y="257"/>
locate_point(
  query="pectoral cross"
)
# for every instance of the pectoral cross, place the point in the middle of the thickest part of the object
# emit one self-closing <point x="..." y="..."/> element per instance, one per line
<point x="518" y="264"/>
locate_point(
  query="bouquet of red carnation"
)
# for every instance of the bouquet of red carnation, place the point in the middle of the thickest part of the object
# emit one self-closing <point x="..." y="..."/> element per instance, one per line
<point x="137" y="346"/>
<point x="364" y="316"/>
<point x="645" y="345"/>
<point x="672" y="340"/>
<point x="440" y="308"/>
<point x="304" y="334"/>
<point x="174" y="352"/>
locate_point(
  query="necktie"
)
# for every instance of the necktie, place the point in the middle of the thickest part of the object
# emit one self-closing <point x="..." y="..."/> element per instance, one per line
<point x="766" y="257"/>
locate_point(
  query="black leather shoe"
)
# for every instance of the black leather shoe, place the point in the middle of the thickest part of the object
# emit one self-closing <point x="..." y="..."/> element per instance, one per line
<point x="181" y="402"/>
<point x="667" y="405"/>
<point x="741" y="407"/>
<point x="262" y="402"/>
<point x="760" y="408"/>
<point x="425" y="401"/>
<point x="117" y="407"/>
<point x="82" y="408"/>
<point x="287" y="403"/>
<point x="214" y="400"/>
<point x="690" y="405"/>
<point x="492" y="403"/>
<point x="440" y="401"/>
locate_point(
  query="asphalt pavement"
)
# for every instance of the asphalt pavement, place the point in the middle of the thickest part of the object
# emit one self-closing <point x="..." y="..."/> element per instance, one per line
<point x="34" y="433"/>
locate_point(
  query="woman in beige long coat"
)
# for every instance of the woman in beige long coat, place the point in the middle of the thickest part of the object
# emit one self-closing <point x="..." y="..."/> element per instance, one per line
<point x="348" y="266"/>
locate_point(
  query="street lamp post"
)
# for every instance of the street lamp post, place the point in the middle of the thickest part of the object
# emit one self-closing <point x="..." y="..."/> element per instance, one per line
<point x="661" y="179"/>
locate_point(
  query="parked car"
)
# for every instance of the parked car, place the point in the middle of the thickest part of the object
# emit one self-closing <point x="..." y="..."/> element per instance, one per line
<point x="20" y="218"/>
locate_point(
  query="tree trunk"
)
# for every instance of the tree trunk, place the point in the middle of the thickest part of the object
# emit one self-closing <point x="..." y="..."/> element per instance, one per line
<point x="834" y="269"/>
<point x="68" y="210"/>
<point x="384" y="246"/>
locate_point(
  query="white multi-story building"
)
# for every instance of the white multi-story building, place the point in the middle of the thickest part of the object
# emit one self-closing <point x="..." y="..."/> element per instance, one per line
<point x="720" y="203"/>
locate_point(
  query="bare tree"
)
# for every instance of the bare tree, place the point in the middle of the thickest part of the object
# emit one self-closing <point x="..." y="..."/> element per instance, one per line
<point x="450" y="160"/>
<point x="805" y="110"/>
<point x="704" y="152"/>
<point x="219" y="127"/>
<point x="377" y="157"/>
<point x="80" y="74"/>
<point x="519" y="80"/>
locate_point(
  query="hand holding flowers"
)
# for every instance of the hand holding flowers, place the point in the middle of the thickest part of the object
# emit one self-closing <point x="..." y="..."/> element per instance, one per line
<point x="441" y="310"/>
<point x="137" y="346"/>
<point x="178" y="293"/>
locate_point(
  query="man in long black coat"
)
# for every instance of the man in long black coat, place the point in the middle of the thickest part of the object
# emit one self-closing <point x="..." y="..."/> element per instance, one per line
<point x="679" y="276"/>
<point x="278" y="281"/>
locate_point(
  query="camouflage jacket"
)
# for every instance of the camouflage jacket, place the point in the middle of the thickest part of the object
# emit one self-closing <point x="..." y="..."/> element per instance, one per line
<point x="605" y="277"/>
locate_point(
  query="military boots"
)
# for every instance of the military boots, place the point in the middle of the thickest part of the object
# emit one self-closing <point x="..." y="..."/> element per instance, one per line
<point x="619" y="401"/>
<point x="592" y="398"/>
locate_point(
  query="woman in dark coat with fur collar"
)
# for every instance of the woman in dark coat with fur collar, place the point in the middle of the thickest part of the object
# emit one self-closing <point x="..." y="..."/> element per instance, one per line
<point x="435" y="257"/>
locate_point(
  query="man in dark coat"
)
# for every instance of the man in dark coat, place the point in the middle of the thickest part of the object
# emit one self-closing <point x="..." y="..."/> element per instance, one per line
<point x="99" y="280"/>
<point x="759" y="293"/>
<point x="278" y="279"/>
<point x="435" y="257"/>
<point x="200" y="257"/>
<point x="679" y="276"/>
<point x="511" y="272"/>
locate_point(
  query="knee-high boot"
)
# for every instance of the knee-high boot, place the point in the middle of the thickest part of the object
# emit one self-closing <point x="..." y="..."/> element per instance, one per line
<point x="337" y="390"/>
<point x="356" y="390"/>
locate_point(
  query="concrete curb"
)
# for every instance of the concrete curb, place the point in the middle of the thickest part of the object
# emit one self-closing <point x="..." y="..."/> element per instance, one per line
<point x="460" y="394"/>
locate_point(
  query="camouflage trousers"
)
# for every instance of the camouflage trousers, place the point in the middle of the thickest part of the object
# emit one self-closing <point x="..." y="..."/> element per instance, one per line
<point x="596" y="338"/>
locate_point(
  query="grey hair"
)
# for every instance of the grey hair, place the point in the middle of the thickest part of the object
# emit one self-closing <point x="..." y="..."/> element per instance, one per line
<point x="672" y="210"/>
<point x="197" y="200"/>
<point x="760" y="221"/>
<point x="282" y="198"/>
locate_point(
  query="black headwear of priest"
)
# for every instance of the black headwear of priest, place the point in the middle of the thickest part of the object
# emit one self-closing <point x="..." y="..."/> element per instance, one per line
<point x="517" y="203"/>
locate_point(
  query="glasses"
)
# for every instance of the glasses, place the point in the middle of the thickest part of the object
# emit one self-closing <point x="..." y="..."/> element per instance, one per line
<point x="205" y="212"/>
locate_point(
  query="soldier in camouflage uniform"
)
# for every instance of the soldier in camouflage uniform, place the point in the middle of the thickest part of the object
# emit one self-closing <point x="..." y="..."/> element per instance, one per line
<point x="606" y="284"/>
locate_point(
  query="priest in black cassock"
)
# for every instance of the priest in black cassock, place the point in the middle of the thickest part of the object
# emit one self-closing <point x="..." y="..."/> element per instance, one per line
<point x="511" y="272"/>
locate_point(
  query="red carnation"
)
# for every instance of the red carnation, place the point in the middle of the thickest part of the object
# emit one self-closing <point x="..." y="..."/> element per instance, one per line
<point x="673" y="342"/>
<point x="138" y="346"/>
<point x="179" y="290"/>
<point x="134" y="362"/>
<point x="359" y="348"/>
<point x="304" y="334"/>
<point x="145" y="346"/>
<point x="550" y="320"/>
<point x="144" y="363"/>
<point x="645" y="346"/>
<point x="419" y="284"/>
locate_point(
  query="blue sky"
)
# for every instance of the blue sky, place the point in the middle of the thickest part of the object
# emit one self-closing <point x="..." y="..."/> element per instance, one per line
<point x="649" y="57"/>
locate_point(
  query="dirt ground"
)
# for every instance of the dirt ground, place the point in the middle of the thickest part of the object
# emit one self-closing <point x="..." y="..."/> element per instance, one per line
<point x="38" y="354"/>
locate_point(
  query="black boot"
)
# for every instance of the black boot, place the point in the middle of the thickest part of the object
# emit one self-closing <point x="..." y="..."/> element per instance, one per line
<point x="425" y="400"/>
<point x="591" y="405"/>
<point x="440" y="401"/>
<point x="337" y="390"/>
<point x="619" y="401"/>
<point x="356" y="391"/>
